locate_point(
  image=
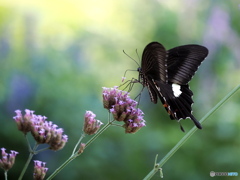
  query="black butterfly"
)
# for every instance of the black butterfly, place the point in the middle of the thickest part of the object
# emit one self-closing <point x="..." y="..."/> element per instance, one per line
<point x="166" y="75"/>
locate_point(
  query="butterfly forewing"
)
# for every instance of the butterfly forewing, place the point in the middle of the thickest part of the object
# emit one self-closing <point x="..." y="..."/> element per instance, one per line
<point x="154" y="62"/>
<point x="183" y="62"/>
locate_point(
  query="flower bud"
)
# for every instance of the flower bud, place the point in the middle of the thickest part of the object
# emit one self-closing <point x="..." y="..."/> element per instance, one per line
<point x="24" y="122"/>
<point x="39" y="170"/>
<point x="91" y="125"/>
<point x="82" y="147"/>
<point x="7" y="160"/>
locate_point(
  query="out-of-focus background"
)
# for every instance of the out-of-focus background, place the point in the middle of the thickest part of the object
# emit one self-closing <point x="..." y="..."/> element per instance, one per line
<point x="55" y="57"/>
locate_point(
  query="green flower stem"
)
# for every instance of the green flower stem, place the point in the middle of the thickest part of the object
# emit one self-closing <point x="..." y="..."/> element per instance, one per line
<point x="73" y="156"/>
<point x="77" y="145"/>
<point x="189" y="134"/>
<point x="31" y="154"/>
<point x="26" y="165"/>
<point x="99" y="132"/>
<point x="28" y="143"/>
<point x="41" y="150"/>
<point x="6" y="175"/>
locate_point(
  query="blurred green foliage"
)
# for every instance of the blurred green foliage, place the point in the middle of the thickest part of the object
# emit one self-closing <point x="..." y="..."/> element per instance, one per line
<point x="55" y="57"/>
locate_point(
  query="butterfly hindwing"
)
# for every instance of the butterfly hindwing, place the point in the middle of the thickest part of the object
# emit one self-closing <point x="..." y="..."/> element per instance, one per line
<point x="153" y="92"/>
<point x="179" y="107"/>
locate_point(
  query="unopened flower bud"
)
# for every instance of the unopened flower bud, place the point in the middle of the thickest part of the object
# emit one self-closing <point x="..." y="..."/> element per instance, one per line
<point x="7" y="160"/>
<point x="82" y="147"/>
<point x="91" y="125"/>
<point x="123" y="78"/>
<point x="39" y="170"/>
<point x="109" y="97"/>
<point x="132" y="126"/>
<point x="24" y="122"/>
<point x="58" y="142"/>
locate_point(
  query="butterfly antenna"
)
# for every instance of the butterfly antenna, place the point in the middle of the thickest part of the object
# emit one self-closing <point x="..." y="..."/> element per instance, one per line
<point x="138" y="57"/>
<point x="131" y="58"/>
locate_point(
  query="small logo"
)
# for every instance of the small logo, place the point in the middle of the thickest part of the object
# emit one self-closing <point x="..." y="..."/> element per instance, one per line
<point x="212" y="173"/>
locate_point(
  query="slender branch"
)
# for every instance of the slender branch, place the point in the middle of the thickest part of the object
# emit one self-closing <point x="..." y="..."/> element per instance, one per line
<point x="6" y="175"/>
<point x="190" y="133"/>
<point x="228" y="96"/>
<point x="75" y="154"/>
<point x="29" y="145"/>
<point x="40" y="150"/>
<point x="31" y="154"/>
<point x="114" y="124"/>
<point x="99" y="132"/>
<point x="77" y="145"/>
<point x="109" y="118"/>
<point x="61" y="167"/>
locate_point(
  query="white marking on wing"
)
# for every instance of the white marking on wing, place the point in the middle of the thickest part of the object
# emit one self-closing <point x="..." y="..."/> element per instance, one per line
<point x="176" y="90"/>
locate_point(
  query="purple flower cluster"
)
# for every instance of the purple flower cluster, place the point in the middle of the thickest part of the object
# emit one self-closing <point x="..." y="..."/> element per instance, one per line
<point x="39" y="170"/>
<point x="91" y="125"/>
<point x="43" y="131"/>
<point x="123" y="109"/>
<point x="7" y="160"/>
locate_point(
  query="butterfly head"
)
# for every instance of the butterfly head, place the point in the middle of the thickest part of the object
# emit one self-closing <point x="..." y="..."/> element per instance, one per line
<point x="142" y="78"/>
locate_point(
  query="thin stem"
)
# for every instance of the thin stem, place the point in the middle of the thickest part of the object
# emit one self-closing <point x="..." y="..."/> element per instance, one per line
<point x="75" y="154"/>
<point x="228" y="96"/>
<point x="99" y="132"/>
<point x="109" y="118"/>
<point x="6" y="175"/>
<point x="28" y="143"/>
<point x="161" y="173"/>
<point x="77" y="145"/>
<point x="155" y="162"/>
<point x="26" y="165"/>
<point x="190" y="133"/>
<point x="114" y="124"/>
<point x="40" y="150"/>
<point x="31" y="154"/>
<point x="72" y="157"/>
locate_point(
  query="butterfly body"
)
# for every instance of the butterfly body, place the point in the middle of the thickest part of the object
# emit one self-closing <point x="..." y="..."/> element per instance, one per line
<point x="166" y="75"/>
